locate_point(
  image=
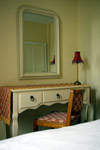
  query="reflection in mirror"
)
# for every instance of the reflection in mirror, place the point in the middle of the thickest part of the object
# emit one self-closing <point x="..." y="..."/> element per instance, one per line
<point x="38" y="43"/>
<point x="35" y="57"/>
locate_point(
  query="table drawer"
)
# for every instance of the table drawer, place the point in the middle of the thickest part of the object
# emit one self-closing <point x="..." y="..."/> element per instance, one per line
<point x="56" y="95"/>
<point x="29" y="99"/>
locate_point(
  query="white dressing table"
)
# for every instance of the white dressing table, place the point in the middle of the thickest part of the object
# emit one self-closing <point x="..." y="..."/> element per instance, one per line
<point x="32" y="98"/>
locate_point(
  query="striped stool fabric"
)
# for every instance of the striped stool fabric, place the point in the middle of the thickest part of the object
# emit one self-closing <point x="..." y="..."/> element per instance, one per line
<point x="58" y="117"/>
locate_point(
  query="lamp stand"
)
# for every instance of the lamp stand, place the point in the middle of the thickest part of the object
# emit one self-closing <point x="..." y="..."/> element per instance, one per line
<point x="77" y="82"/>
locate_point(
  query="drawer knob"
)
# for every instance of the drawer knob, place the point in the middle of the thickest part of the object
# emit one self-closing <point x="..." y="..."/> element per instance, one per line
<point x="58" y="95"/>
<point x="32" y="98"/>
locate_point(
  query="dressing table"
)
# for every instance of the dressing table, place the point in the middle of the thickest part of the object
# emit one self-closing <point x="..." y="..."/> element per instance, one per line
<point x="32" y="97"/>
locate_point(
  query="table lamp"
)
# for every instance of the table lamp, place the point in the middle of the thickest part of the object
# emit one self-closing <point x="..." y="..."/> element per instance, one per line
<point x="77" y="59"/>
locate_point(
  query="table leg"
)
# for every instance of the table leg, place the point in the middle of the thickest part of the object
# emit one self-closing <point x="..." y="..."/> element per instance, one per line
<point x="14" y="127"/>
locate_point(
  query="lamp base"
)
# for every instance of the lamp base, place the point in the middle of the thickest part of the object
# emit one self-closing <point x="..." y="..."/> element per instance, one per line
<point x="77" y="83"/>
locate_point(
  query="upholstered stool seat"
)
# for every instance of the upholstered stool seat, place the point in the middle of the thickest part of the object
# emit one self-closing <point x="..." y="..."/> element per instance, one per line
<point x="58" y="117"/>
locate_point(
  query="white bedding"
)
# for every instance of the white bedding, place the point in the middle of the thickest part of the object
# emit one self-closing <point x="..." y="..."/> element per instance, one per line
<point x="85" y="136"/>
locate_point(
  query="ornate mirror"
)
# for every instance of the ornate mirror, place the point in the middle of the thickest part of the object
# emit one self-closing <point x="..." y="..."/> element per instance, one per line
<point x="38" y="43"/>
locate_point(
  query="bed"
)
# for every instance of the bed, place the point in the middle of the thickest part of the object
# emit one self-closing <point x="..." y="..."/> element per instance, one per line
<point x="84" y="136"/>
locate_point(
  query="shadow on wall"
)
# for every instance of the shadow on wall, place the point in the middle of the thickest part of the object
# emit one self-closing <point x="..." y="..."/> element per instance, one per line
<point x="26" y="118"/>
<point x="97" y="107"/>
<point x="93" y="105"/>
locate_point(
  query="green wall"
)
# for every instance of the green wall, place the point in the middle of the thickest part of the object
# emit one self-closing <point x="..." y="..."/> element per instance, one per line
<point x="89" y="43"/>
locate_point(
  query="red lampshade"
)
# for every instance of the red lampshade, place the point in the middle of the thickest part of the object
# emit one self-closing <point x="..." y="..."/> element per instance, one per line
<point x="77" y="58"/>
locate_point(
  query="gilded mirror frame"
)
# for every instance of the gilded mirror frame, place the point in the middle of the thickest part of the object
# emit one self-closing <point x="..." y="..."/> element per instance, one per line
<point x="35" y="75"/>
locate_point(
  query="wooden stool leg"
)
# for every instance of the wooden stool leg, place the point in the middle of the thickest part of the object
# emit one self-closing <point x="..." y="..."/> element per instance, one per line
<point x="35" y="127"/>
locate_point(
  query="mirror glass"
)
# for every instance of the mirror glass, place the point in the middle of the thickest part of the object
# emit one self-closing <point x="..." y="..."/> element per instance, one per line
<point x="38" y="43"/>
